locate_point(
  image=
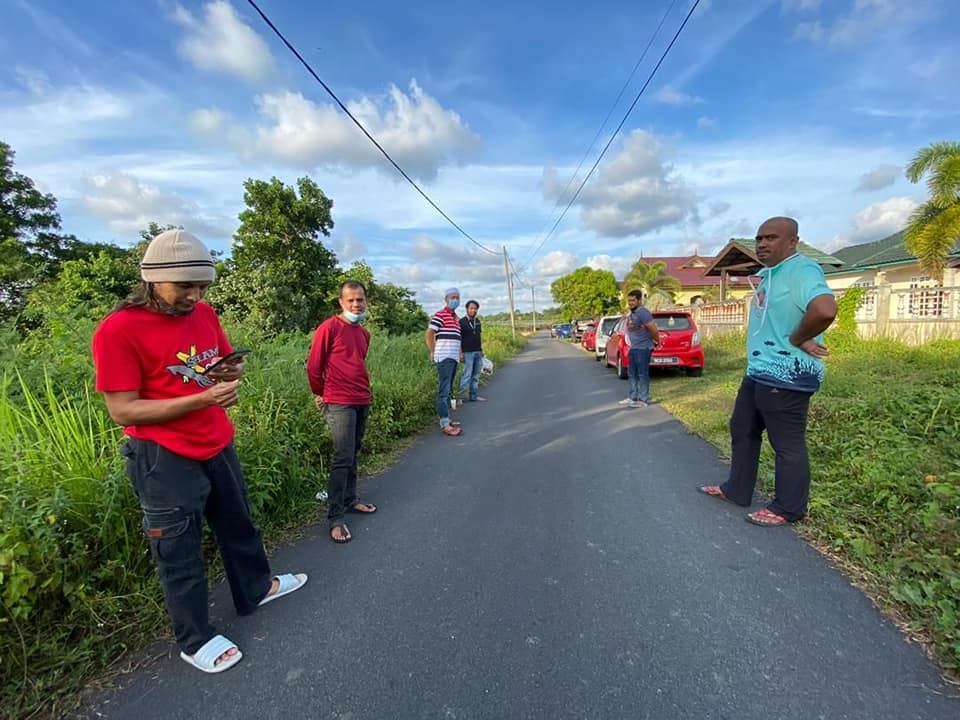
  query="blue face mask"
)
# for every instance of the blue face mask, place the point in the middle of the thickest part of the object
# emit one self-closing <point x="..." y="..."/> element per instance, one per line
<point x="354" y="318"/>
<point x="453" y="304"/>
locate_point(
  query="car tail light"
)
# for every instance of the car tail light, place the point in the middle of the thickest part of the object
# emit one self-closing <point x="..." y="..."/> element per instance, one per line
<point x="696" y="339"/>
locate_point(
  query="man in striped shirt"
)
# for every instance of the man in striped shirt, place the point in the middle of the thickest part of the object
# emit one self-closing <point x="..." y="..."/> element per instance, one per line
<point x="443" y="341"/>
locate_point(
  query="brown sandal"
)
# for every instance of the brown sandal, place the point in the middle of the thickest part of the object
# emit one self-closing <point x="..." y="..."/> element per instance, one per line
<point x="452" y="431"/>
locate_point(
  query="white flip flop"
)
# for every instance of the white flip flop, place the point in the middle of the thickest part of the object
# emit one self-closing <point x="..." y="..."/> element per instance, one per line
<point x="205" y="659"/>
<point x="288" y="584"/>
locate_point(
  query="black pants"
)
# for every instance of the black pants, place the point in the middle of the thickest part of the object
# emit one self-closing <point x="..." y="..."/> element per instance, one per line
<point x="175" y="494"/>
<point x="783" y="414"/>
<point x="347" y="424"/>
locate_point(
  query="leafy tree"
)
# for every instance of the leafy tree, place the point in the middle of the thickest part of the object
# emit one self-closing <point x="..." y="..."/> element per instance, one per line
<point x="89" y="286"/>
<point x="934" y="227"/>
<point x="586" y="292"/>
<point x="658" y="287"/>
<point x="279" y="275"/>
<point x="30" y="242"/>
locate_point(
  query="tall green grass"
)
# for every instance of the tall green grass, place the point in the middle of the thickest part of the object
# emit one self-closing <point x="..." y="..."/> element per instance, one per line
<point x="883" y="437"/>
<point x="78" y="588"/>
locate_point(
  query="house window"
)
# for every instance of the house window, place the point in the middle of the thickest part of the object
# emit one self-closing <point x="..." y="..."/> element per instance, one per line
<point x="924" y="302"/>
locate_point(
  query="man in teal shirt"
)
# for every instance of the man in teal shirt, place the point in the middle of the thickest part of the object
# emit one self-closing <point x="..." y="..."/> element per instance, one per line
<point x="790" y="309"/>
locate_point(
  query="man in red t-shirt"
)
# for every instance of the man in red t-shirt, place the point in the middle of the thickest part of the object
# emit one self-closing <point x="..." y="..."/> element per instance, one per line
<point x="151" y="355"/>
<point x="337" y="371"/>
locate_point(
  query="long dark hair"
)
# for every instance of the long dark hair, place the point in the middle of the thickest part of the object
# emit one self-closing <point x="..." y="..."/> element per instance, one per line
<point x="143" y="296"/>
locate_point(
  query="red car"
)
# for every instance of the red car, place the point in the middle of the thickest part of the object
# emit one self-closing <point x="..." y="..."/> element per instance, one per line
<point x="589" y="338"/>
<point x="679" y="344"/>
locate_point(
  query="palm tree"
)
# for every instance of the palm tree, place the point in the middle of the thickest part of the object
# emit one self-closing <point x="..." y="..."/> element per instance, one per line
<point x="658" y="287"/>
<point x="934" y="227"/>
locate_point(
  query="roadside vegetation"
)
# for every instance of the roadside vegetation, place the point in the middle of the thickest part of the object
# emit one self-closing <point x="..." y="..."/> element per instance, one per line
<point x="78" y="589"/>
<point x="885" y="499"/>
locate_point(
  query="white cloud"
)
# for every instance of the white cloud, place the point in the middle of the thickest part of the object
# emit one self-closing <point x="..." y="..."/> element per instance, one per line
<point x="875" y="222"/>
<point x="223" y="42"/>
<point x="348" y="248"/>
<point x="413" y="127"/>
<point x="34" y="81"/>
<point x="556" y="263"/>
<point x="426" y="249"/>
<point x="865" y="19"/>
<point x="128" y="206"/>
<point x="880" y="177"/>
<point x="633" y="193"/>
<point x="618" y="265"/>
<point x="718" y="207"/>
<point x="704" y="122"/>
<point x="208" y="121"/>
<point x="671" y="96"/>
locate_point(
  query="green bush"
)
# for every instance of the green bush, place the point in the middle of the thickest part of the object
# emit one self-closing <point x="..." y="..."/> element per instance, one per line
<point x="77" y="584"/>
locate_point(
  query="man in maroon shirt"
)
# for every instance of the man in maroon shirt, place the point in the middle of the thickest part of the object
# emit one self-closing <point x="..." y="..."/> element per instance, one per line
<point x="338" y="377"/>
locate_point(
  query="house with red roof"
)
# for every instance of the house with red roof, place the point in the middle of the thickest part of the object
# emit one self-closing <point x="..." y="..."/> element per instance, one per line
<point x="696" y="287"/>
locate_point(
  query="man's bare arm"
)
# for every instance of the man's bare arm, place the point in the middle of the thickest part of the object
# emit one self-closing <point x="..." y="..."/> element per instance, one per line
<point x="820" y="313"/>
<point x="654" y="331"/>
<point x="128" y="408"/>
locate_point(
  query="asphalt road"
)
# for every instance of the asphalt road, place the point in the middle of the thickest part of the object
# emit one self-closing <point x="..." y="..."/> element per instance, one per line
<point x="554" y="562"/>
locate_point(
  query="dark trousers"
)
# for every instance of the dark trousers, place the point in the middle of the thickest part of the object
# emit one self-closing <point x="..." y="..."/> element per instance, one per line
<point x="446" y="369"/>
<point x="783" y="414"/>
<point x="347" y="424"/>
<point x="175" y="494"/>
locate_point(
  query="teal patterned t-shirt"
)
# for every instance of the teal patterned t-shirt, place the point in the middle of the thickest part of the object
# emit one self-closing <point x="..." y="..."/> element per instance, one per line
<point x="780" y="301"/>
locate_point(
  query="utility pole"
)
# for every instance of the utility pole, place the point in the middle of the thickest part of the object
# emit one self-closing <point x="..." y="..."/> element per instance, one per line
<point x="506" y="274"/>
<point x="533" y="300"/>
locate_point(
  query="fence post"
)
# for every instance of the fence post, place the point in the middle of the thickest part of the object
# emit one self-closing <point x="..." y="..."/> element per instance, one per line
<point x="884" y="311"/>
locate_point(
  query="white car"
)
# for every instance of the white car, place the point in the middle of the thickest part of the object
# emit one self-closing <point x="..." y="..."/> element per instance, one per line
<point x="604" y="331"/>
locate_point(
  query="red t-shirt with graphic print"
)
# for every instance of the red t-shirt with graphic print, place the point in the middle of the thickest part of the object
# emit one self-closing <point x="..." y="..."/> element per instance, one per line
<point x="161" y="357"/>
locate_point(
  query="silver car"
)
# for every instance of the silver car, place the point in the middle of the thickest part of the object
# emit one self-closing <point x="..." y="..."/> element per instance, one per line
<point x="604" y="331"/>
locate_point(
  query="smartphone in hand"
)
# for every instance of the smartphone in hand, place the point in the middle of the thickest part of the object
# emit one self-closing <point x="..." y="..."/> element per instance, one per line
<point x="229" y="359"/>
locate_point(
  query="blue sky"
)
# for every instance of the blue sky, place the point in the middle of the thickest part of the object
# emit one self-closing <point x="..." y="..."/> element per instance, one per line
<point x="159" y="110"/>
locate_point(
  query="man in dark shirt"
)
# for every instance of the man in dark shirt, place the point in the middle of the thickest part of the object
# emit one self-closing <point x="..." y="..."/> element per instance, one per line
<point x="338" y="377"/>
<point x="472" y="346"/>
<point x="644" y="336"/>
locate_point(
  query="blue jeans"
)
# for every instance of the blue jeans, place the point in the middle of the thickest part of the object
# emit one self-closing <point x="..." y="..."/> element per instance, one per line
<point x="347" y="425"/>
<point x="446" y="369"/>
<point x="470" y="375"/>
<point x="638" y="369"/>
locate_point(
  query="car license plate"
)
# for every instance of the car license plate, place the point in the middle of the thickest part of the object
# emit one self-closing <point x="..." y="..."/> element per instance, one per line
<point x="664" y="361"/>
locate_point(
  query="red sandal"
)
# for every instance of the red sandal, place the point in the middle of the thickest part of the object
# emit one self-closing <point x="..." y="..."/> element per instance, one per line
<point x="714" y="491"/>
<point x="766" y="518"/>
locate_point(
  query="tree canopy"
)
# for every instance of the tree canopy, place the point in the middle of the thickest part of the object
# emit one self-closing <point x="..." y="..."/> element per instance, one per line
<point x="934" y="228"/>
<point x="658" y="287"/>
<point x="279" y="275"/>
<point x="586" y="292"/>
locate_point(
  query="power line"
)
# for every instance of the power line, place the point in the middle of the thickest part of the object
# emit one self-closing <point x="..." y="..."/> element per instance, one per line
<point x="603" y="124"/>
<point x="364" y="130"/>
<point x="617" y="131"/>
